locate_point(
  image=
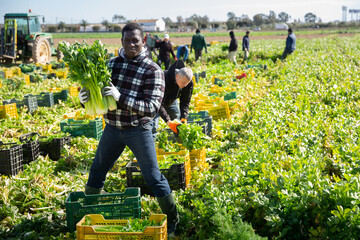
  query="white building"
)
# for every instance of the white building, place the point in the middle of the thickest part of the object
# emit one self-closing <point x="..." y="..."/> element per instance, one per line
<point x="151" y="25"/>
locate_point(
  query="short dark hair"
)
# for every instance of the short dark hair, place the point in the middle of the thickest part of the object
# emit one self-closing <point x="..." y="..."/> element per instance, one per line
<point x="247" y="32"/>
<point x="231" y="33"/>
<point x="290" y="30"/>
<point x="131" y="27"/>
<point x="197" y="30"/>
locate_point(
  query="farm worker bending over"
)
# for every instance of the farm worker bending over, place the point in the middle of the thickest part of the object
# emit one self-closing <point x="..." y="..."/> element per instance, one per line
<point x="290" y="44"/>
<point x="165" y="48"/>
<point x="233" y="47"/>
<point x="137" y="86"/>
<point x="246" y="45"/>
<point x="178" y="85"/>
<point x="198" y="43"/>
<point x="182" y="52"/>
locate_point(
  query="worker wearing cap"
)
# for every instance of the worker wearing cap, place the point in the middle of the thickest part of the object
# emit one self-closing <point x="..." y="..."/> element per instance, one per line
<point x="290" y="44"/>
<point x="178" y="85"/>
<point x="165" y="48"/>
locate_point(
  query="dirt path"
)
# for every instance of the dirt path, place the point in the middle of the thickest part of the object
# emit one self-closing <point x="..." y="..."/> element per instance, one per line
<point x="187" y="40"/>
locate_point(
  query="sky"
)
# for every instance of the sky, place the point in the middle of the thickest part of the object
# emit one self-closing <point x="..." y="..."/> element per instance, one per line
<point x="96" y="11"/>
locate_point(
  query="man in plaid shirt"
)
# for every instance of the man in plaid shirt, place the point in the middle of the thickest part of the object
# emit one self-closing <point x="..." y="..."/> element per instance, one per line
<point x="138" y="88"/>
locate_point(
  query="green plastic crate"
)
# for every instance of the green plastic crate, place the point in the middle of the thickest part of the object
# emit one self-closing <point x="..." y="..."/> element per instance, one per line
<point x="230" y="96"/>
<point x="112" y="206"/>
<point x="87" y="128"/>
<point x="63" y="95"/>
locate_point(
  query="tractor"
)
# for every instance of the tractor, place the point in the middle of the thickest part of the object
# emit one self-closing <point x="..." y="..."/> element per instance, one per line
<point x="22" y="39"/>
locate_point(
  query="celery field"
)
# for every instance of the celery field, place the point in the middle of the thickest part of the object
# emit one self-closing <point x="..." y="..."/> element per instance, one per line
<point x="285" y="165"/>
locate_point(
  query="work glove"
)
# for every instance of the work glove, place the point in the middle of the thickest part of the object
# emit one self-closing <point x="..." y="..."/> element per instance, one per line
<point x="205" y="50"/>
<point x="84" y="95"/>
<point x="173" y="125"/>
<point x="111" y="91"/>
<point x="183" y="121"/>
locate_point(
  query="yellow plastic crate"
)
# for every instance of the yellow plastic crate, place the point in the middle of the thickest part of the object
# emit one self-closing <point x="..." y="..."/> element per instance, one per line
<point x="8" y="74"/>
<point x="73" y="91"/>
<point x="27" y="79"/>
<point x="8" y="110"/>
<point x="153" y="233"/>
<point x="160" y="153"/>
<point x="221" y="111"/>
<point x="62" y="74"/>
<point x="17" y="71"/>
<point x="47" y="67"/>
<point x="198" y="158"/>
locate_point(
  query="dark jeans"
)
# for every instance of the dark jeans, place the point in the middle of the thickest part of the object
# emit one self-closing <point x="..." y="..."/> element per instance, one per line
<point x="198" y="53"/>
<point x="285" y="53"/>
<point x="174" y="112"/>
<point x="140" y="141"/>
<point x="166" y="62"/>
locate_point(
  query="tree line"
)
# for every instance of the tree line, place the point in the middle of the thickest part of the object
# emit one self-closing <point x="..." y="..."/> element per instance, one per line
<point x="196" y="21"/>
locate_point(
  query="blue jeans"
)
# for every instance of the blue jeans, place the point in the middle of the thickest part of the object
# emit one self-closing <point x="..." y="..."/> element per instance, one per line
<point x="140" y="141"/>
<point x="174" y="112"/>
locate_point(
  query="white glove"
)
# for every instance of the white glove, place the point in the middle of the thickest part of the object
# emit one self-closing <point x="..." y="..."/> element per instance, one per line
<point x="111" y="91"/>
<point x="84" y="95"/>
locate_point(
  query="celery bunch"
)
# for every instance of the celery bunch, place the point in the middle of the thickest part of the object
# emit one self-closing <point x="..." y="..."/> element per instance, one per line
<point x="88" y="65"/>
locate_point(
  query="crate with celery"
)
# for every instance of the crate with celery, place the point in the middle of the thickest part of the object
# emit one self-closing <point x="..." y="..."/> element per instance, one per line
<point x="88" y="65"/>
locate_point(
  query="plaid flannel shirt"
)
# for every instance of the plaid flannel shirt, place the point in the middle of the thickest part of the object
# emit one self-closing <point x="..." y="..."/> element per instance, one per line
<point x="141" y="84"/>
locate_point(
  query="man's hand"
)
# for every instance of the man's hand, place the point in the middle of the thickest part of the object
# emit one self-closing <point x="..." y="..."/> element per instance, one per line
<point x="111" y="91"/>
<point x="173" y="125"/>
<point x="184" y="121"/>
<point x="84" y="95"/>
<point x="205" y="50"/>
<point x="176" y="59"/>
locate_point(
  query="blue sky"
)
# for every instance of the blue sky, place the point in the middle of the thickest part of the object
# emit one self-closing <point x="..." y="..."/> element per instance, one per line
<point x="95" y="11"/>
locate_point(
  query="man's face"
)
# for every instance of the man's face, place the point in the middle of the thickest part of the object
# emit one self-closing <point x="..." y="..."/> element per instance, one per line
<point x="132" y="42"/>
<point x="181" y="81"/>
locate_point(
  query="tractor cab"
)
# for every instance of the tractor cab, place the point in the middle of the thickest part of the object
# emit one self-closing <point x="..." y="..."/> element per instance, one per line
<point x="23" y="39"/>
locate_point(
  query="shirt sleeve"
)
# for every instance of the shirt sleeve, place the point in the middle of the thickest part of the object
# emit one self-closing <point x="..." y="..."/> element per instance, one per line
<point x="163" y="114"/>
<point x="153" y="93"/>
<point x="185" y="98"/>
<point x="204" y="42"/>
<point x="172" y="50"/>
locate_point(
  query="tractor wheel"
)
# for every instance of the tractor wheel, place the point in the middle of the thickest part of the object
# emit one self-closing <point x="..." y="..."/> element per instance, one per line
<point x="41" y="51"/>
<point x="59" y="54"/>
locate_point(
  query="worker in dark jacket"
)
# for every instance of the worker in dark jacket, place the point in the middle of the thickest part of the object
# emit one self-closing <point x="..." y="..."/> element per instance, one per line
<point x="246" y="45"/>
<point x="198" y="43"/>
<point x="178" y="85"/>
<point x="165" y="48"/>
<point x="290" y="44"/>
<point x="233" y="47"/>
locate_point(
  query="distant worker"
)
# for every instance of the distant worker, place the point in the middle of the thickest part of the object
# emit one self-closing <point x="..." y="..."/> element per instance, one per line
<point x="290" y="44"/>
<point x="198" y="43"/>
<point x="233" y="47"/>
<point x="246" y="45"/>
<point x="182" y="52"/>
<point x="165" y="48"/>
<point x="178" y="85"/>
